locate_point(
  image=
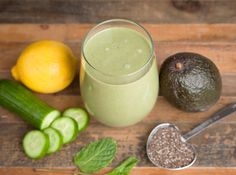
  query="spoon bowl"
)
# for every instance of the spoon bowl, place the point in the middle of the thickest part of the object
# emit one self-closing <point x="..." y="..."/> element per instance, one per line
<point x="183" y="140"/>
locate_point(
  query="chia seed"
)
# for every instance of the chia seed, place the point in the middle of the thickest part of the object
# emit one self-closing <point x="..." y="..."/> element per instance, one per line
<point x="166" y="149"/>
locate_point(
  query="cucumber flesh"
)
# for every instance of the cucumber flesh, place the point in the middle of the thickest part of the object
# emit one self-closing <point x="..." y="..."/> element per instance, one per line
<point x="67" y="127"/>
<point x="79" y="115"/>
<point x="35" y="144"/>
<point x="49" y="118"/>
<point x="55" y="139"/>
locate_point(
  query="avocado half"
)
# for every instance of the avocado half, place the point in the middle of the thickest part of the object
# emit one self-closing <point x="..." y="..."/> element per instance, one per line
<point x="190" y="81"/>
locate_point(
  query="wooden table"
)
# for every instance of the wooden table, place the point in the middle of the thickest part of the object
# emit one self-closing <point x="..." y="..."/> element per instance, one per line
<point x="216" y="146"/>
<point x="207" y="27"/>
<point x="93" y="11"/>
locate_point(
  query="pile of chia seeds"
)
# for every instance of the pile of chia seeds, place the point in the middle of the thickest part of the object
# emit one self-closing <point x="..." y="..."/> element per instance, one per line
<point x="166" y="149"/>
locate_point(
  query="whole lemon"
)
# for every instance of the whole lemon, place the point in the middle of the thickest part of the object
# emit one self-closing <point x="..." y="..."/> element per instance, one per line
<point x="45" y="66"/>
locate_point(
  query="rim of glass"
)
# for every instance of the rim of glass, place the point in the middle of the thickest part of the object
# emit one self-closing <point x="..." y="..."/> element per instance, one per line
<point x="128" y="21"/>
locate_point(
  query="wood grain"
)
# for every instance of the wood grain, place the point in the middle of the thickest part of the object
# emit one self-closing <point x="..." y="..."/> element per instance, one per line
<point x="90" y="11"/>
<point x="215" y="146"/>
<point x="135" y="171"/>
<point x="224" y="33"/>
<point x="216" y="41"/>
<point x="158" y="113"/>
<point x="228" y="84"/>
<point x="224" y="56"/>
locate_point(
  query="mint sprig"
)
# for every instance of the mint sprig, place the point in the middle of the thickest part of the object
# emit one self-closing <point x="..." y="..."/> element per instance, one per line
<point x="125" y="167"/>
<point x="96" y="155"/>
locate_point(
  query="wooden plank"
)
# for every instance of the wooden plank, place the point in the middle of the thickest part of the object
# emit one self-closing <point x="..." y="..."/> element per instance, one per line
<point x="179" y="11"/>
<point x="223" y="55"/>
<point x="215" y="146"/>
<point x="228" y="81"/>
<point x="135" y="171"/>
<point x="215" y="149"/>
<point x="228" y="84"/>
<point x="158" y="114"/>
<point x="159" y="32"/>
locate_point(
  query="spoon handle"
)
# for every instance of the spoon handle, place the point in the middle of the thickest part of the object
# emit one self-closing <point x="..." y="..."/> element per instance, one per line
<point x="215" y="117"/>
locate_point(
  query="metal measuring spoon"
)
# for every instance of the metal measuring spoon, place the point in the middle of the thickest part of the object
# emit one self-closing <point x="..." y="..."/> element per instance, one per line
<point x="225" y="111"/>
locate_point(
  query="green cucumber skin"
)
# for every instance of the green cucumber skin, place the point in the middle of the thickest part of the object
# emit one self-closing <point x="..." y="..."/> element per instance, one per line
<point x="76" y="131"/>
<point x="21" y="101"/>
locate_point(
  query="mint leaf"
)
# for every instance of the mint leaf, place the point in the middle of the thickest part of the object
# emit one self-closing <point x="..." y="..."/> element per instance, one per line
<point x="96" y="155"/>
<point x="125" y="167"/>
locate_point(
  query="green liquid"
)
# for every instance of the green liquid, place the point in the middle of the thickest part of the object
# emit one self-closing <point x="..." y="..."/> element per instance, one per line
<point x="118" y="52"/>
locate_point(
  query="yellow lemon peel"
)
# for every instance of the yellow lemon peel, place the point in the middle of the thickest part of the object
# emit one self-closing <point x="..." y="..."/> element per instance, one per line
<point x="45" y="66"/>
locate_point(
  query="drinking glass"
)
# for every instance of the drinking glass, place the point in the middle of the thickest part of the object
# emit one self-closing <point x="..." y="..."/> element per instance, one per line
<point x="119" y="100"/>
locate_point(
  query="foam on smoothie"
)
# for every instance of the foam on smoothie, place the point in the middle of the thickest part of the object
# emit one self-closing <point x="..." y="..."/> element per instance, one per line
<point x="117" y="51"/>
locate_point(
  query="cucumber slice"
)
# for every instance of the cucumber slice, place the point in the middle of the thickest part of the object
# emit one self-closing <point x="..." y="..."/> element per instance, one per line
<point x="79" y="115"/>
<point x="35" y="144"/>
<point x="67" y="127"/>
<point x="49" y="118"/>
<point x="55" y="139"/>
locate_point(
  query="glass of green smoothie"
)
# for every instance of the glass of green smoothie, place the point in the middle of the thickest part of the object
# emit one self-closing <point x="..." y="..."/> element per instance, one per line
<point x="118" y="74"/>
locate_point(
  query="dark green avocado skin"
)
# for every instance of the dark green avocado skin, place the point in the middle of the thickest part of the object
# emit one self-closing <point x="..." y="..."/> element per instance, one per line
<point x="195" y="87"/>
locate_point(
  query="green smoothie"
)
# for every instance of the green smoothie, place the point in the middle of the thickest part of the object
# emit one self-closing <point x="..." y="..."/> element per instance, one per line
<point x="121" y="54"/>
